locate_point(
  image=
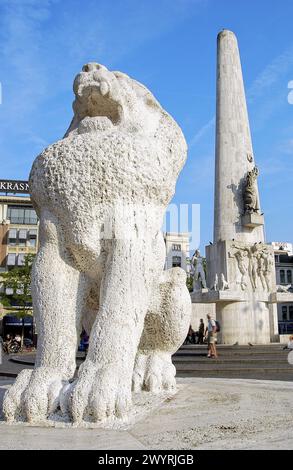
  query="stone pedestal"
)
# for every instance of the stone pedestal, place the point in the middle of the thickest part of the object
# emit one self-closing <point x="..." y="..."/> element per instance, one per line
<point x="243" y="308"/>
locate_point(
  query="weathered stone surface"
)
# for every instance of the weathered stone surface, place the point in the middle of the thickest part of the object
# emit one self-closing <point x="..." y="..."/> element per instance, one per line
<point x="100" y="194"/>
<point x="204" y="414"/>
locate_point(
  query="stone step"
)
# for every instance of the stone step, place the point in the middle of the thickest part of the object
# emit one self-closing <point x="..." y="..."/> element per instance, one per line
<point x="256" y="374"/>
<point x="233" y="352"/>
<point x="199" y="354"/>
<point x="215" y="364"/>
<point x="228" y="360"/>
<point x="259" y="347"/>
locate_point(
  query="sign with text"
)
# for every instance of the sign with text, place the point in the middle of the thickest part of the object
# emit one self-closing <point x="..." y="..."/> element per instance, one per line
<point x="14" y="186"/>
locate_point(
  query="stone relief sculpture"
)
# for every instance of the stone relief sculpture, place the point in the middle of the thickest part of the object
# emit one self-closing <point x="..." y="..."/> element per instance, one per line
<point x="241" y="257"/>
<point x="250" y="197"/>
<point x="224" y="283"/>
<point x="101" y="193"/>
<point x="199" y="277"/>
<point x="215" y="285"/>
<point x="287" y="288"/>
<point x="254" y="262"/>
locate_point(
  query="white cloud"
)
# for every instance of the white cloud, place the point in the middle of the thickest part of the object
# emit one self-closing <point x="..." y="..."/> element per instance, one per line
<point x="201" y="132"/>
<point x="270" y="74"/>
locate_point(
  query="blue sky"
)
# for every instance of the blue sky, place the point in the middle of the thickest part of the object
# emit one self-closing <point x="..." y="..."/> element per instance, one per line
<point x="170" y="46"/>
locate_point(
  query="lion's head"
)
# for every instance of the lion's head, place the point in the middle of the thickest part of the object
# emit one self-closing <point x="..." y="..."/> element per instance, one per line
<point x="104" y="99"/>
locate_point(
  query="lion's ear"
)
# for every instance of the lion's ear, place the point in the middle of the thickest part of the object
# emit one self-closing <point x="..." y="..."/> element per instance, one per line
<point x="120" y="75"/>
<point x="141" y="91"/>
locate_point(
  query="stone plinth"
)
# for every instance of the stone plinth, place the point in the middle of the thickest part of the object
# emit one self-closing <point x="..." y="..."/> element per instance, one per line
<point x="252" y="220"/>
<point x="244" y="308"/>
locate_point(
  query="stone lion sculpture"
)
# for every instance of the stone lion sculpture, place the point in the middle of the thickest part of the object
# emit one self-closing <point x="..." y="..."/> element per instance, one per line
<point x="100" y="194"/>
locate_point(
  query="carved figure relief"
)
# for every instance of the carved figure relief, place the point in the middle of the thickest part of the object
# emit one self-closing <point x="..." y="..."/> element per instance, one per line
<point x="255" y="265"/>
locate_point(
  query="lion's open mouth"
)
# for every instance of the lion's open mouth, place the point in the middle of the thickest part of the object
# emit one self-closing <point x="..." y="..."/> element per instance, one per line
<point x="92" y="102"/>
<point x="99" y="105"/>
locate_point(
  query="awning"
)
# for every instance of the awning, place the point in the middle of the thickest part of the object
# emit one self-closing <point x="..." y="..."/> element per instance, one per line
<point x="11" y="258"/>
<point x="12" y="320"/>
<point x="33" y="233"/>
<point x="12" y="233"/>
<point x="22" y="234"/>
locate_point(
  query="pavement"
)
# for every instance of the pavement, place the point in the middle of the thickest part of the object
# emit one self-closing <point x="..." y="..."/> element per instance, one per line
<point x="205" y="413"/>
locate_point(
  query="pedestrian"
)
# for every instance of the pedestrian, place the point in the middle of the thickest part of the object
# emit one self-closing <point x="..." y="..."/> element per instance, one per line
<point x="289" y="345"/>
<point x="201" y="332"/>
<point x="190" y="338"/>
<point x="212" y="337"/>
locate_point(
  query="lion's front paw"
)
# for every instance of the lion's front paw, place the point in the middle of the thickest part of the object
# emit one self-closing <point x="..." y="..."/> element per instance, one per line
<point x="34" y="395"/>
<point x="154" y="372"/>
<point x="97" y="394"/>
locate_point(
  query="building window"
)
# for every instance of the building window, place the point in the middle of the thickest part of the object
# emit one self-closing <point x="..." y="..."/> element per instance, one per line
<point x="289" y="276"/>
<point x="282" y="276"/>
<point x="176" y="261"/>
<point x="22" y="215"/>
<point x="291" y="312"/>
<point x="176" y="247"/>
<point x="276" y="258"/>
<point x="284" y="312"/>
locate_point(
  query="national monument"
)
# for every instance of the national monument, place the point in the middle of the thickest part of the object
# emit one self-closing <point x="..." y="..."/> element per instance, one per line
<point x="240" y="265"/>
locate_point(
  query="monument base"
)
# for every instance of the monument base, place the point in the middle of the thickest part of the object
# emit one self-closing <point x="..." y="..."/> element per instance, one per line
<point x="244" y="322"/>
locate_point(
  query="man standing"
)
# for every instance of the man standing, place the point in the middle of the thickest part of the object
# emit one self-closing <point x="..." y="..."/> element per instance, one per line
<point x="212" y="337"/>
<point x="201" y="332"/>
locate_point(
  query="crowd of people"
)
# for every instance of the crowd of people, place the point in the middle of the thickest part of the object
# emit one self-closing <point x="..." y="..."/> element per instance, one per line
<point x="205" y="335"/>
<point x="13" y="343"/>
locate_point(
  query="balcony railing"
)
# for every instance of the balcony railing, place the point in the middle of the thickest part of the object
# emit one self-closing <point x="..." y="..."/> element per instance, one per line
<point x="24" y="220"/>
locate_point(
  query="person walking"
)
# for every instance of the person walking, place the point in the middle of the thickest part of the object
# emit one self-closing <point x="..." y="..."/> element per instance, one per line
<point x="212" y="337"/>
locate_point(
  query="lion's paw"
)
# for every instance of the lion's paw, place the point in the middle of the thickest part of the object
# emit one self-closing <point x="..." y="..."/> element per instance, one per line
<point x="154" y="372"/>
<point x="34" y="395"/>
<point x="96" y="395"/>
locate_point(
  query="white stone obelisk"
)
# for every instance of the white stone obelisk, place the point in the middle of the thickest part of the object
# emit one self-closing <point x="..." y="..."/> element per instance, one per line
<point x="234" y="153"/>
<point x="238" y="255"/>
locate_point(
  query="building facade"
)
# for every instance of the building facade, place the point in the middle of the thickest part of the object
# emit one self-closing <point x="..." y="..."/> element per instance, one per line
<point x="18" y="230"/>
<point x="284" y="277"/>
<point x="18" y="237"/>
<point x="177" y="250"/>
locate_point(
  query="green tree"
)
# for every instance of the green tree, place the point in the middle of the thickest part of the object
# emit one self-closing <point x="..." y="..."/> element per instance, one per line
<point x="18" y="282"/>
<point x="189" y="283"/>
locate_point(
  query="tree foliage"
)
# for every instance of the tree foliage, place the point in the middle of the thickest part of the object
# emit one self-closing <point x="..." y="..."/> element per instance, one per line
<point x="16" y="288"/>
